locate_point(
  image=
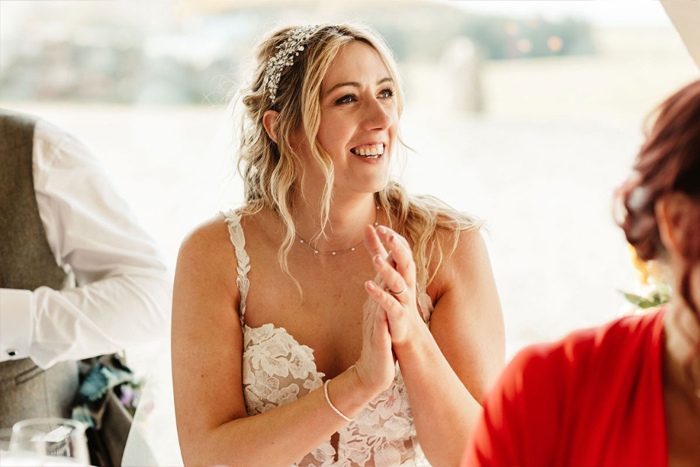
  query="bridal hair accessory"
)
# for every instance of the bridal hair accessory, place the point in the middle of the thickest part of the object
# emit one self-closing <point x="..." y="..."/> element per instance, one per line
<point x="328" y="399"/>
<point x="284" y="57"/>
<point x="317" y="252"/>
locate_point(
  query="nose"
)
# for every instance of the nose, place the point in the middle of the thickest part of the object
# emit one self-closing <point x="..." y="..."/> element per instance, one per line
<point x="377" y="116"/>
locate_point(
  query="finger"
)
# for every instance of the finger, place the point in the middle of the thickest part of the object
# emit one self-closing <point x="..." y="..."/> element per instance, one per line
<point x="380" y="323"/>
<point x="401" y="254"/>
<point x="368" y="312"/>
<point x="372" y="242"/>
<point x="390" y="276"/>
<point x="403" y="258"/>
<point x="393" y="309"/>
<point x="385" y="232"/>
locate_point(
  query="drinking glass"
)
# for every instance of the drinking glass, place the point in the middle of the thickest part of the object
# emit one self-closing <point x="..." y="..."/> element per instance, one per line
<point x="50" y="441"/>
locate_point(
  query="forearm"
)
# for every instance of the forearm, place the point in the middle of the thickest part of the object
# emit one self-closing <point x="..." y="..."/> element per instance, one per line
<point x="443" y="409"/>
<point x="280" y="436"/>
<point x="101" y="317"/>
<point x="125" y="288"/>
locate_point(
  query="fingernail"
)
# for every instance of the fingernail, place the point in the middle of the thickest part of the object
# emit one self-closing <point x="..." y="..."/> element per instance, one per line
<point x="370" y="285"/>
<point x="378" y="259"/>
<point x="381" y="229"/>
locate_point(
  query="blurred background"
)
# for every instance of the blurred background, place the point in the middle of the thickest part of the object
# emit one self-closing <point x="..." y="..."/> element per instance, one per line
<point x="526" y="113"/>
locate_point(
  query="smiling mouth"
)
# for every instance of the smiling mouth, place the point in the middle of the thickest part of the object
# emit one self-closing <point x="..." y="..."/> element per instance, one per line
<point x="372" y="151"/>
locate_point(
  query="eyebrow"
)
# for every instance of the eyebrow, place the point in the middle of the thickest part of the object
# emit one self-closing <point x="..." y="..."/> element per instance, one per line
<point x="357" y="85"/>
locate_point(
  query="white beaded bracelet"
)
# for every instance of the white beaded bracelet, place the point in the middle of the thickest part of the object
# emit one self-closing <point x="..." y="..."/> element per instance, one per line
<point x="328" y="399"/>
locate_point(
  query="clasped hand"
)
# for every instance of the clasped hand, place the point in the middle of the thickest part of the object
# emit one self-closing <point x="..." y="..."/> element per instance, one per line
<point x="391" y="315"/>
<point x="398" y="296"/>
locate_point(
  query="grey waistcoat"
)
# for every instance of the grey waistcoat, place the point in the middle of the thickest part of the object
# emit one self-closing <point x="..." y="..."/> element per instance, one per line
<point x="27" y="262"/>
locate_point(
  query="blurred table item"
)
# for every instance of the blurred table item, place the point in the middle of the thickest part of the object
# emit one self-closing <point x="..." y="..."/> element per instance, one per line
<point x="46" y="442"/>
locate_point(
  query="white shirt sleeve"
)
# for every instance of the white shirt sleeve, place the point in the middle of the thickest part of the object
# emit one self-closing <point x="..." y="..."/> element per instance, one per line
<point x="15" y="323"/>
<point x="124" y="288"/>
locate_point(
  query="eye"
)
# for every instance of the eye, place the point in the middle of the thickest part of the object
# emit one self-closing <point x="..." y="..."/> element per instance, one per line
<point x="387" y="93"/>
<point x="346" y="99"/>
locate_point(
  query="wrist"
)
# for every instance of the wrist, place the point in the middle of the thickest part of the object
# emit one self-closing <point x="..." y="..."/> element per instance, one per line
<point x="346" y="393"/>
<point x="330" y="403"/>
<point x="361" y="383"/>
<point x="418" y="342"/>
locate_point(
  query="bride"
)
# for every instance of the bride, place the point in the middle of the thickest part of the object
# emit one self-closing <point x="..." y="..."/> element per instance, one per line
<point x="285" y="351"/>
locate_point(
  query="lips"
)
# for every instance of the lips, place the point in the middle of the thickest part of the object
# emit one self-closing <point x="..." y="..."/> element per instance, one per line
<point x="369" y="151"/>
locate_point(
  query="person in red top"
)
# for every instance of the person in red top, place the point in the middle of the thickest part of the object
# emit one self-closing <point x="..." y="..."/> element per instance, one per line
<point x="627" y="393"/>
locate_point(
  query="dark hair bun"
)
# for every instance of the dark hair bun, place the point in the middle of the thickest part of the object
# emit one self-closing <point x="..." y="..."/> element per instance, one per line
<point x="668" y="161"/>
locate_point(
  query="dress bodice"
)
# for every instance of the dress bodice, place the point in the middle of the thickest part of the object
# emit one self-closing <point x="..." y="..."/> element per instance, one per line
<point x="278" y="370"/>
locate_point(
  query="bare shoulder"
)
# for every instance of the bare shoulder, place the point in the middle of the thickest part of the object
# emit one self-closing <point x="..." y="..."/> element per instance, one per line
<point x="207" y="237"/>
<point x="207" y="256"/>
<point x="207" y="340"/>
<point x="467" y="241"/>
<point x="463" y="253"/>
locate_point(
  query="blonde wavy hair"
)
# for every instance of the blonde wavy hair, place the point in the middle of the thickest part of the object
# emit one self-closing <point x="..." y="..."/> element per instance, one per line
<point x="270" y="170"/>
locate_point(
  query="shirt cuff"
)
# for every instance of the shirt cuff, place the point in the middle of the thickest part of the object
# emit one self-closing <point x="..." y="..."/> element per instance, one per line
<point x="16" y="313"/>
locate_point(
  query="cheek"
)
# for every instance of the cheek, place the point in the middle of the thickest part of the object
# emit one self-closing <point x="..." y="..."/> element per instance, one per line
<point x="395" y="125"/>
<point x="324" y="137"/>
<point x="332" y="134"/>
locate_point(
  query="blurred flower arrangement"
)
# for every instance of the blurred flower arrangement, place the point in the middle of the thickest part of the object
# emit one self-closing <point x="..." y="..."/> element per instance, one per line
<point x="100" y="376"/>
<point x="652" y="278"/>
<point x="130" y="393"/>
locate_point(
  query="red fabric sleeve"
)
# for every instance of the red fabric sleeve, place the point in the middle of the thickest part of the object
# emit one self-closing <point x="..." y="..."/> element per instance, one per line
<point x="593" y="398"/>
<point x="521" y="413"/>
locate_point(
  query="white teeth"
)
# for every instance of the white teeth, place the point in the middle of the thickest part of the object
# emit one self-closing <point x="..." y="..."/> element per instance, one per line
<point x="373" y="151"/>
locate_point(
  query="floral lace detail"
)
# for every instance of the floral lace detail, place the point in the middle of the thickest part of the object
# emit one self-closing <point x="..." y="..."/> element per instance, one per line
<point x="278" y="370"/>
<point x="233" y="220"/>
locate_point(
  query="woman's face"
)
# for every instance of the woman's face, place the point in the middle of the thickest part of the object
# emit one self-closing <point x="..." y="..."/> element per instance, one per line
<point x="359" y="119"/>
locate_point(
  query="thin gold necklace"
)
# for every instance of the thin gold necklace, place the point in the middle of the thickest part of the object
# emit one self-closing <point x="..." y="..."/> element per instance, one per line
<point x="318" y="252"/>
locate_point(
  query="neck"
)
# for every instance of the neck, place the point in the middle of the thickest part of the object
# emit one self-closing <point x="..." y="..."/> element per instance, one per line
<point x="682" y="351"/>
<point x="346" y="219"/>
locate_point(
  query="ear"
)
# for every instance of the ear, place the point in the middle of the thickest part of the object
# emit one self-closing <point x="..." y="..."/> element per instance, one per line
<point x="674" y="216"/>
<point x="270" y="118"/>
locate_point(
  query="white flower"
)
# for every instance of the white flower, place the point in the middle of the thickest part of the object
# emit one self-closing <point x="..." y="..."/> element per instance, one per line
<point x="387" y="455"/>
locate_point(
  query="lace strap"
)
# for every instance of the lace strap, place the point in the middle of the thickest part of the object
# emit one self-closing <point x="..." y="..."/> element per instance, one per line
<point x="233" y="220"/>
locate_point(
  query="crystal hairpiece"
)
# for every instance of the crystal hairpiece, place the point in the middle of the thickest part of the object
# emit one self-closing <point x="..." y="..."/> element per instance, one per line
<point x="284" y="57"/>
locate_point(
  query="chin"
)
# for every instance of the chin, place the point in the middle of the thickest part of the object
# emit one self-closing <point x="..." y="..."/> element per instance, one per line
<point x="367" y="187"/>
<point x="365" y="181"/>
<point x="376" y="187"/>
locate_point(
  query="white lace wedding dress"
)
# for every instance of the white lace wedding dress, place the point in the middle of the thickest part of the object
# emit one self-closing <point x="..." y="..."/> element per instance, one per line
<point x="278" y="370"/>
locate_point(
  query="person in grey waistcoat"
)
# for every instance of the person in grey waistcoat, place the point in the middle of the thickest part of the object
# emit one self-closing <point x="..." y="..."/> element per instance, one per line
<point x="78" y="276"/>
